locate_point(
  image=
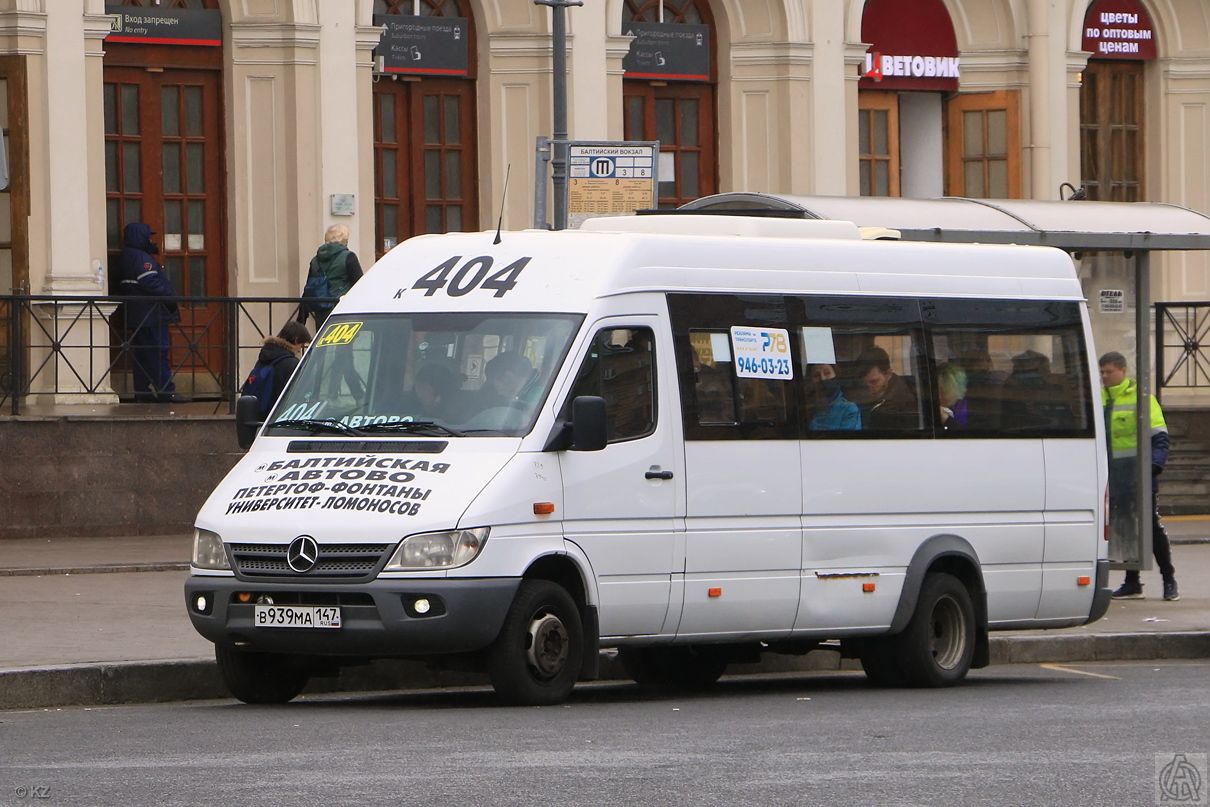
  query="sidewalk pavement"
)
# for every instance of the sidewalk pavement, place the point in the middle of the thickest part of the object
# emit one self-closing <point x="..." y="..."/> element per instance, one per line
<point x="102" y="620"/>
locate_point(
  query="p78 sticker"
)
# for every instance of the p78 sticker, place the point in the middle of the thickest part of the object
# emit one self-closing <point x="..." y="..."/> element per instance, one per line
<point x="762" y="353"/>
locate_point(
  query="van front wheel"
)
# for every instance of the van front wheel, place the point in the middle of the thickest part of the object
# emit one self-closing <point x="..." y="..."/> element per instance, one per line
<point x="535" y="661"/>
<point x="260" y="677"/>
<point x="938" y="644"/>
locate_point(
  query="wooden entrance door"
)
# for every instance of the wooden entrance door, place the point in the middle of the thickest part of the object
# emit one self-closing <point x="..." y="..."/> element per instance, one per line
<point x="163" y="161"/>
<point x="425" y="159"/>
<point x="681" y="116"/>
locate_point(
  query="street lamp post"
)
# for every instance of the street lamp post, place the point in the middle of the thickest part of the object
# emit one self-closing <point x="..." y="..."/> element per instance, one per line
<point x="559" y="88"/>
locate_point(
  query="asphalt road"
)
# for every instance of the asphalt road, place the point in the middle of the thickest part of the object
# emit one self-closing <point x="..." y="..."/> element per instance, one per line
<point x="1079" y="734"/>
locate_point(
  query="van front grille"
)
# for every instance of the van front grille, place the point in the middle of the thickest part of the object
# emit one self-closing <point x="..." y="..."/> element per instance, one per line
<point x="336" y="561"/>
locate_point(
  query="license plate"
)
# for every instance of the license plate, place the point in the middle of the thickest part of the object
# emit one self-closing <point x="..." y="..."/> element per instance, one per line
<point x="296" y="616"/>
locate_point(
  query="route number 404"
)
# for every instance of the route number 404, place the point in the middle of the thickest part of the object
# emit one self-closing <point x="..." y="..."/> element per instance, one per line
<point x="474" y="274"/>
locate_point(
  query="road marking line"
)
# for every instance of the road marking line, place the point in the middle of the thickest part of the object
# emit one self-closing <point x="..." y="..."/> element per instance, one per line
<point x="1061" y="668"/>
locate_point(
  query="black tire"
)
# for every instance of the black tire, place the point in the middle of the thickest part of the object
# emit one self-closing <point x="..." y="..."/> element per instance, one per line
<point x="260" y="677"/>
<point x="688" y="668"/>
<point x="536" y="659"/>
<point x="879" y="659"/>
<point x="936" y="647"/>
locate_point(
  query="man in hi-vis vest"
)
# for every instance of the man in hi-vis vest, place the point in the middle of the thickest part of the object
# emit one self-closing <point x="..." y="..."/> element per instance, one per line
<point x="1119" y="396"/>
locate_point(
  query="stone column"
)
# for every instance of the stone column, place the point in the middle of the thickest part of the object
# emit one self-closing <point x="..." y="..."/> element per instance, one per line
<point x="69" y="338"/>
<point x="1048" y="96"/>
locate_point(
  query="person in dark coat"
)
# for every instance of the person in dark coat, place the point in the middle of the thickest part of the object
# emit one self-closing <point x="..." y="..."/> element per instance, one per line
<point x="288" y="346"/>
<point x="142" y="279"/>
<point x="339" y="263"/>
<point x="892" y="404"/>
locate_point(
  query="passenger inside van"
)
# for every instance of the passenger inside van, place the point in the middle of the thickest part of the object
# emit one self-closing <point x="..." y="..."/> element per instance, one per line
<point x="434" y="394"/>
<point x="831" y="412"/>
<point x="951" y="390"/>
<point x="506" y="374"/>
<point x="892" y="403"/>
<point x="1034" y="398"/>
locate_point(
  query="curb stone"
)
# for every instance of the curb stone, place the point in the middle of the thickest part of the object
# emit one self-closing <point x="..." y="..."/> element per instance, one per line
<point x="163" y="681"/>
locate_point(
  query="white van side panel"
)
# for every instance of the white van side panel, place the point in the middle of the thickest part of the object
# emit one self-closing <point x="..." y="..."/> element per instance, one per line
<point x="868" y="504"/>
<point x="743" y="537"/>
<point x="1074" y="530"/>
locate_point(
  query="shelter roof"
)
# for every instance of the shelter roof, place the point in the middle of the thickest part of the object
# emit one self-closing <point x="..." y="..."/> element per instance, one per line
<point x="1071" y="225"/>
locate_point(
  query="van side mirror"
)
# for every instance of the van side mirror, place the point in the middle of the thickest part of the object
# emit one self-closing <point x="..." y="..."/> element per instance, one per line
<point x="247" y="420"/>
<point x="588" y="432"/>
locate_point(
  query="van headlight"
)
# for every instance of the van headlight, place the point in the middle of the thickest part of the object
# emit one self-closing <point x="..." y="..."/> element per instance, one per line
<point x="208" y="552"/>
<point x="438" y="550"/>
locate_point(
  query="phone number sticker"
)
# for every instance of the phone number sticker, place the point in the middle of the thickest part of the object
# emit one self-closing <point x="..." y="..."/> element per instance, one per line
<point x="762" y="353"/>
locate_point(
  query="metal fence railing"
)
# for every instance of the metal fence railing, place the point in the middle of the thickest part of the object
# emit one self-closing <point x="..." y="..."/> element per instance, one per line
<point x="1182" y="345"/>
<point x="67" y="348"/>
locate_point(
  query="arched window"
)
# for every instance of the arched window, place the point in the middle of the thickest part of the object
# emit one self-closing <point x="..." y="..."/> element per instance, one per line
<point x="679" y="113"/>
<point x="425" y="155"/>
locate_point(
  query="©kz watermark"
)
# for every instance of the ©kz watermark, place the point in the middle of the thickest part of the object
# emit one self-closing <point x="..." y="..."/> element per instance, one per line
<point x="32" y="791"/>
<point x="1181" y="779"/>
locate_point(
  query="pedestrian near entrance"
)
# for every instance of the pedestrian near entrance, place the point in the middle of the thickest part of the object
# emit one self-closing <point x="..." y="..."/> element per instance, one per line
<point x="1119" y="395"/>
<point x="142" y="279"/>
<point x="281" y="353"/>
<point x="333" y="271"/>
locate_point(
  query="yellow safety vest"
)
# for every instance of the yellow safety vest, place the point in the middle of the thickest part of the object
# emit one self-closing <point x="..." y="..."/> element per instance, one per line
<point x="1121" y="404"/>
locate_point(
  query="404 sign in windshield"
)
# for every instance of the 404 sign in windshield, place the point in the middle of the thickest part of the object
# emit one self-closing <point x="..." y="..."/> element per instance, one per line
<point x="762" y="353"/>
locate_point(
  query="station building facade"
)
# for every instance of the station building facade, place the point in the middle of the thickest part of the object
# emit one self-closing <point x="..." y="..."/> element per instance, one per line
<point x="241" y="129"/>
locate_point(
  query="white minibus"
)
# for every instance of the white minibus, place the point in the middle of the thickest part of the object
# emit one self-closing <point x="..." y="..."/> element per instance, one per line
<point x="692" y="438"/>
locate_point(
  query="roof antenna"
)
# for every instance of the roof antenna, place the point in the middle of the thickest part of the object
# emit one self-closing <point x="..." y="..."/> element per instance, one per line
<point x="503" y="196"/>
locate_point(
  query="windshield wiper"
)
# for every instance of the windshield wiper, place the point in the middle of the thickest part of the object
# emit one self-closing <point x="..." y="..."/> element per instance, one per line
<point x="412" y="426"/>
<point x="329" y="425"/>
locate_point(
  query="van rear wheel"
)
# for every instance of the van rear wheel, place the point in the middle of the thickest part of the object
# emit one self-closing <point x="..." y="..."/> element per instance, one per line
<point x="678" y="668"/>
<point x="260" y="677"/>
<point x="938" y="644"/>
<point x="536" y="659"/>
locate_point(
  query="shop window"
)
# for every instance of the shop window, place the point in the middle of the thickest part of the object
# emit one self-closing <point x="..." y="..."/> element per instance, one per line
<point x="878" y="128"/>
<point x="1111" y="131"/>
<point x="983" y="149"/>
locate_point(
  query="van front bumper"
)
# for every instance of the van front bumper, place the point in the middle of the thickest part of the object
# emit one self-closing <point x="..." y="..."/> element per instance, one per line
<point x="378" y="618"/>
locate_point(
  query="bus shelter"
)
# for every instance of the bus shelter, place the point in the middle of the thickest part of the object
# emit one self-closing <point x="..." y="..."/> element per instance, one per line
<point x="1125" y="233"/>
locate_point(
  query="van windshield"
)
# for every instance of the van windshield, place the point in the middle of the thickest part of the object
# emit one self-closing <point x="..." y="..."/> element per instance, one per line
<point x="448" y="374"/>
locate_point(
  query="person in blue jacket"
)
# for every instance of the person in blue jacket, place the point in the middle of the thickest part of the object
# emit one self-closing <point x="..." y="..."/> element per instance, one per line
<point x="831" y="412"/>
<point x="142" y="279"/>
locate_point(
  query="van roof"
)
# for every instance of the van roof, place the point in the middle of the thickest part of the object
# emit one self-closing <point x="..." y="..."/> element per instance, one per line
<point x="537" y="270"/>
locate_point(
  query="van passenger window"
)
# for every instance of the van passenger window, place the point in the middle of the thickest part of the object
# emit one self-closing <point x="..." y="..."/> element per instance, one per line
<point x="1009" y="368"/>
<point x="620" y="367"/>
<point x="862" y="361"/>
<point x="727" y="393"/>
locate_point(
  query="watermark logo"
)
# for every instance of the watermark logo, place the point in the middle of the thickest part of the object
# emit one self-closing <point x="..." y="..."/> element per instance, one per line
<point x="1181" y="779"/>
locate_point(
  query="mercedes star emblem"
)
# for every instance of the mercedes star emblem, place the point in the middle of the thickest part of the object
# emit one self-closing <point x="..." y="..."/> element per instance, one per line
<point x="302" y="554"/>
